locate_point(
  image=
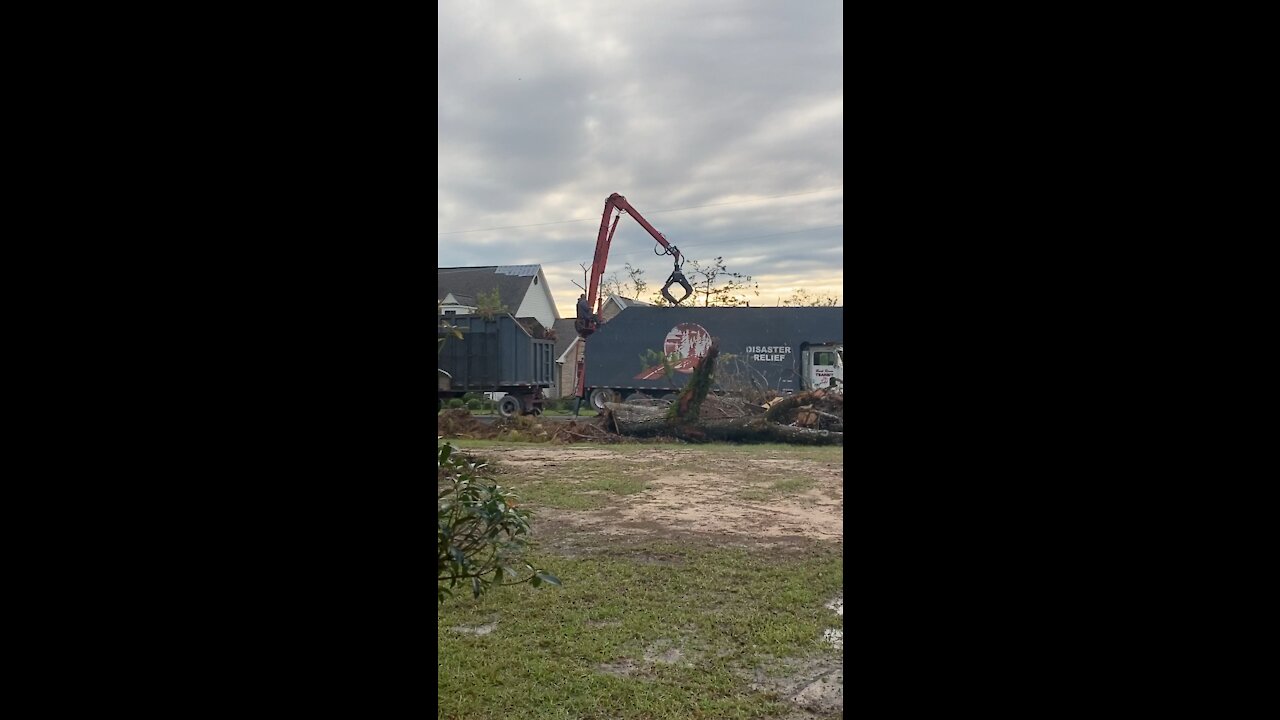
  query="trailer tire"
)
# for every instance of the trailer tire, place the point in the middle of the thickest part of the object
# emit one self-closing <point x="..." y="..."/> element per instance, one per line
<point x="671" y="397"/>
<point x="638" y="398"/>
<point x="600" y="396"/>
<point x="509" y="406"/>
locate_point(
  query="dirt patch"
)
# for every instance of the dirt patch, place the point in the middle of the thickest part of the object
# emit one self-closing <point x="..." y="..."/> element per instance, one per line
<point x="476" y="629"/>
<point x="815" y="684"/>
<point x="622" y="668"/>
<point x="664" y="651"/>
<point x="685" y="496"/>
<point x="540" y="455"/>
<point x="837" y="605"/>
<point x="681" y="498"/>
<point x="835" y="636"/>
<point x="825" y="694"/>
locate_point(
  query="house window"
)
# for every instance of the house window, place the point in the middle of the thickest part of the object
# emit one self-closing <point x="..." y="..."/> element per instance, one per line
<point x="450" y="312"/>
<point x="535" y="279"/>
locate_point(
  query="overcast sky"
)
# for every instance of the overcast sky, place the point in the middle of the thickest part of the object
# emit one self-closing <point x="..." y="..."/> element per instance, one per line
<point x="546" y="108"/>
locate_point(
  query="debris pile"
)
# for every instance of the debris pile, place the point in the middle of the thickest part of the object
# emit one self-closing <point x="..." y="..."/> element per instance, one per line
<point x="460" y="423"/>
<point x="816" y="409"/>
<point x="586" y="431"/>
<point x="814" y="417"/>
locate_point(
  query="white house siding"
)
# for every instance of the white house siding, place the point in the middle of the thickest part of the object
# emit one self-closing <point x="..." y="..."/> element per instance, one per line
<point x="538" y="304"/>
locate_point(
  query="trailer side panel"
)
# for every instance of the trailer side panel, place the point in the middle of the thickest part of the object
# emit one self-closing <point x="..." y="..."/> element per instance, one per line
<point x="758" y="346"/>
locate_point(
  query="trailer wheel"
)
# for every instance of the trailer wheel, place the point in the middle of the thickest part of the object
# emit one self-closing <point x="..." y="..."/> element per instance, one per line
<point x="671" y="397"/>
<point x="509" y="406"/>
<point x="599" y="397"/>
<point x="637" y="399"/>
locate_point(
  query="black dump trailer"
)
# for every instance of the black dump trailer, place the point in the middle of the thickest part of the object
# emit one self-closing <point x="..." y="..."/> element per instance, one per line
<point x="496" y="355"/>
<point x="784" y="349"/>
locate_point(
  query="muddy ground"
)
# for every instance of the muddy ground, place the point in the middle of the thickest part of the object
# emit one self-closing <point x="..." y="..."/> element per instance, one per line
<point x="695" y="493"/>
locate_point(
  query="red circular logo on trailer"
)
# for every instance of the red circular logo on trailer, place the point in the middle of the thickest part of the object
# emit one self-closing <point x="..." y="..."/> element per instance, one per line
<point x="687" y="344"/>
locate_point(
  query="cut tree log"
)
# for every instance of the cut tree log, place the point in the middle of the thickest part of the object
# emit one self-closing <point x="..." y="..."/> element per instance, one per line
<point x="790" y="403"/>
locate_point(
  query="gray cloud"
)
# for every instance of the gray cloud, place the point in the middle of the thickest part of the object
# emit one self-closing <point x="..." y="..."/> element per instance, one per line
<point x="545" y="108"/>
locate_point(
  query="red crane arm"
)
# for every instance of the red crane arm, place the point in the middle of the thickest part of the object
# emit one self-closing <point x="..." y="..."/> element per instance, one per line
<point x="604" y="239"/>
<point x="587" y="326"/>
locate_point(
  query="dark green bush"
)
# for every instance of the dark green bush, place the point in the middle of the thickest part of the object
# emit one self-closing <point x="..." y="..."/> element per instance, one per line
<point x="455" y="402"/>
<point x="481" y="530"/>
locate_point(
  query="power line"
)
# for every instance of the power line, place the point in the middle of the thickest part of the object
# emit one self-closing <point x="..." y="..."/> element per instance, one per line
<point x="652" y="212"/>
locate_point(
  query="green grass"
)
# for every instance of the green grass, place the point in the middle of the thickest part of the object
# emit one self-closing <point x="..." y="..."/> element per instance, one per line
<point x="727" y="611"/>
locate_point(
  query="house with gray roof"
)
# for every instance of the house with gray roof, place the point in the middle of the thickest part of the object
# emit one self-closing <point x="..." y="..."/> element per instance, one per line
<point x="521" y="288"/>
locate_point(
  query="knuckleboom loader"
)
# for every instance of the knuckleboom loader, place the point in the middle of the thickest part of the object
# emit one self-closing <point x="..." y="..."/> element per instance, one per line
<point x="615" y="206"/>
<point x="782" y="349"/>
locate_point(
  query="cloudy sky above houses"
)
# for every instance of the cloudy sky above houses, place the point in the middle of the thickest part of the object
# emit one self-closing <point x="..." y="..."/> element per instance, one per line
<point x="720" y="121"/>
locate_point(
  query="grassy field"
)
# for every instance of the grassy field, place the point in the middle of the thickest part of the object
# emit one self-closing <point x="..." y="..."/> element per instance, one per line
<point x="677" y="622"/>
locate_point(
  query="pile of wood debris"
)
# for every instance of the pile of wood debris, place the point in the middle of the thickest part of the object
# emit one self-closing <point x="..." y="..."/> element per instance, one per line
<point x="817" y="409"/>
<point x="460" y="423"/>
<point x="813" y="417"/>
<point x="810" y="418"/>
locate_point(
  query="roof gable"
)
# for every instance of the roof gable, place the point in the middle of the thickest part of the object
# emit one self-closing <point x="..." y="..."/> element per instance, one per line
<point x="511" y="281"/>
<point x="625" y="302"/>
<point x="565" y="334"/>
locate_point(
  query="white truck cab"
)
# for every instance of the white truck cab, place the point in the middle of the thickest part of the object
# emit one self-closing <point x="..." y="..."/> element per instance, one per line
<point x="823" y="366"/>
